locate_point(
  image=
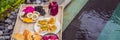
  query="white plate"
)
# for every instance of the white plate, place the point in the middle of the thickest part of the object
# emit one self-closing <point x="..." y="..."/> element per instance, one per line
<point x="36" y="28"/>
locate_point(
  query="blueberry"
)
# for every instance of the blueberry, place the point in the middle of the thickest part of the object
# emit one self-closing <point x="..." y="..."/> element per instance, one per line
<point x="40" y="10"/>
<point x="45" y="0"/>
<point x="43" y="13"/>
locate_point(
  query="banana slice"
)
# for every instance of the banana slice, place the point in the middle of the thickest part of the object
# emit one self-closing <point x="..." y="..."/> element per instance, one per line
<point x="35" y="16"/>
<point x="35" y="12"/>
<point x="29" y="15"/>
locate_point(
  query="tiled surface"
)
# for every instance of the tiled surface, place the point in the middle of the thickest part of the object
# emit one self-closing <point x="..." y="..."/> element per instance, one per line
<point x="112" y="28"/>
<point x="75" y="23"/>
<point x="92" y="22"/>
<point x="101" y="11"/>
<point x="71" y="11"/>
<point x="69" y="33"/>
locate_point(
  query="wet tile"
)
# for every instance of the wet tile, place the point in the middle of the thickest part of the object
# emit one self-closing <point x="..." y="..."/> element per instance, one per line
<point x="75" y="23"/>
<point x="69" y="33"/>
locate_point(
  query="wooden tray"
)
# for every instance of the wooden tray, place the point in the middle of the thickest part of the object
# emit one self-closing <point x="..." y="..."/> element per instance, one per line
<point x="20" y="26"/>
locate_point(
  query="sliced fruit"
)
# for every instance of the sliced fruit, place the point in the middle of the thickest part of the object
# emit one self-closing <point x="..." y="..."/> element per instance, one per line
<point x="27" y="20"/>
<point x="29" y="9"/>
<point x="35" y="16"/>
<point x="22" y="13"/>
<point x="29" y="15"/>
<point x="35" y="12"/>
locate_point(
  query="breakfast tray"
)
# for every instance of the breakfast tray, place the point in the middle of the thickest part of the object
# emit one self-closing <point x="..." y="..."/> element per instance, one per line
<point x="20" y="26"/>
